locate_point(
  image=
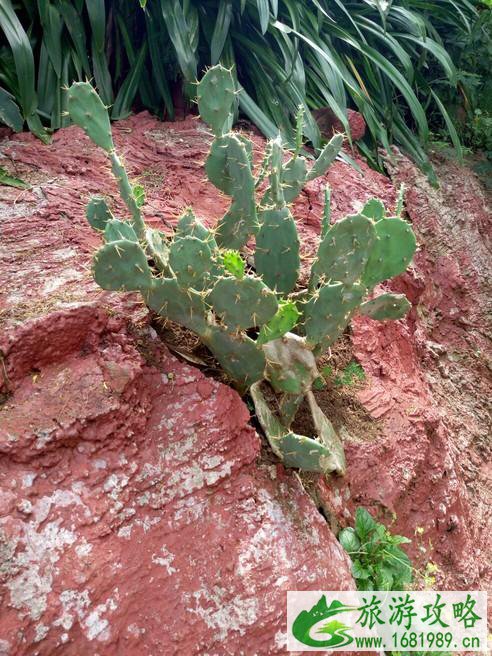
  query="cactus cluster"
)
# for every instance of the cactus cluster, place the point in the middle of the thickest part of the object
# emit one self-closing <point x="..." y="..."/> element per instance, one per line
<point x="255" y="320"/>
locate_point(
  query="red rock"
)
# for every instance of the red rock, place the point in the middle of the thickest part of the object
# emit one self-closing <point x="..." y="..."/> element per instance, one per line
<point x="329" y="124"/>
<point x="136" y="518"/>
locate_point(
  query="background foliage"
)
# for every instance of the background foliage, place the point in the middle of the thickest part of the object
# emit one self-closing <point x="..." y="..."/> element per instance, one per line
<point x="393" y="60"/>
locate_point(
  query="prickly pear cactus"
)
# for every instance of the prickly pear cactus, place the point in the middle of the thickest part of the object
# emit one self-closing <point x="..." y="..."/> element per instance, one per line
<point x="260" y="325"/>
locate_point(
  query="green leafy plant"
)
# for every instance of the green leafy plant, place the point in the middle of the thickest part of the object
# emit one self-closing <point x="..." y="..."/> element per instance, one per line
<point x="378" y="562"/>
<point x="389" y="60"/>
<point x="469" y="103"/>
<point x="258" y="323"/>
<point x="479" y="131"/>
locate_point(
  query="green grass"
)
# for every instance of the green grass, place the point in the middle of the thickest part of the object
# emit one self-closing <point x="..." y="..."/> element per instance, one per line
<point x="350" y="375"/>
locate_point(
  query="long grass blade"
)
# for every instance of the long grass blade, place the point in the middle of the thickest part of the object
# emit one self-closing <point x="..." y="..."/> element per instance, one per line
<point x="97" y="16"/>
<point x="10" y="112"/>
<point x="180" y="36"/>
<point x="453" y="134"/>
<point x="221" y="30"/>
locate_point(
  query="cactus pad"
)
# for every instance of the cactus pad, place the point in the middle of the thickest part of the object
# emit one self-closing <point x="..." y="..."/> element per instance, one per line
<point x="237" y="354"/>
<point x="243" y="303"/>
<point x="157" y="248"/>
<point x="386" y="306"/>
<point x="216" y="163"/>
<point x="277" y="250"/>
<point x="344" y="251"/>
<point x="229" y="169"/>
<point x="122" y="266"/>
<point x="234" y="263"/>
<point x="282" y="322"/>
<point x="190" y="259"/>
<point x="326" y="157"/>
<point x="98" y="212"/>
<point x="183" y="306"/>
<point x="87" y="111"/>
<point x="116" y="230"/>
<point x="392" y="251"/>
<point x="374" y="209"/>
<point x="329" y="311"/>
<point x="293" y="178"/>
<point x="216" y="95"/>
<point x="190" y="226"/>
<point x="291" y="365"/>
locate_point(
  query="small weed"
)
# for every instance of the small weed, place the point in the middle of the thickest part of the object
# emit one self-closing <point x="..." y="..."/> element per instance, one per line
<point x="349" y="376"/>
<point x="378" y="562"/>
<point x="352" y="374"/>
<point x="429" y="578"/>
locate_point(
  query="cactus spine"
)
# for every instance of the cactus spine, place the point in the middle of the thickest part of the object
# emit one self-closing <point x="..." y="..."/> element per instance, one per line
<point x="261" y="328"/>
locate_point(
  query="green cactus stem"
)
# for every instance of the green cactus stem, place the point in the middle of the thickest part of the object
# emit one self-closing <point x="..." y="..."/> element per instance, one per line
<point x="243" y="303"/>
<point x="87" y="110"/>
<point x="122" y="266"/>
<point x="326" y="220"/>
<point x="98" y="213"/>
<point x="127" y="194"/>
<point x="344" y="251"/>
<point x="392" y="251"/>
<point x="216" y="97"/>
<point x="277" y="250"/>
<point x="324" y="455"/>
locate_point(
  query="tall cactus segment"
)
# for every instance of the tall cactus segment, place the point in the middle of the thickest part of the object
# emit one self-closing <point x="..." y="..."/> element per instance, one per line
<point x="87" y="110"/>
<point x="228" y="165"/>
<point x="262" y="327"/>
<point x="235" y="179"/>
<point x="215" y="98"/>
<point x="277" y="250"/>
